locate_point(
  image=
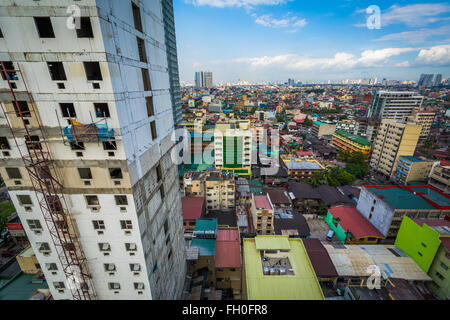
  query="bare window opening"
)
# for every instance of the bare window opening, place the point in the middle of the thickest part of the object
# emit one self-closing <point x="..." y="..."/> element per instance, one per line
<point x="115" y="173"/>
<point x="101" y="110"/>
<point x="98" y="224"/>
<point x="24" y="200"/>
<point x="161" y="192"/>
<point x="141" y="50"/>
<point x="85" y="173"/>
<point x="61" y="85"/>
<point x="146" y="80"/>
<point x="150" y="107"/>
<point x="104" y="247"/>
<point x="85" y="30"/>
<point x="121" y="200"/>
<point x="166" y="226"/>
<point x="92" y="70"/>
<point x="34" y="224"/>
<point x="56" y="70"/>
<point x="51" y="266"/>
<point x="109" y="145"/>
<point x="135" y="267"/>
<point x="11" y="74"/>
<point x="54" y="203"/>
<point x="92" y="200"/>
<point x="4" y="144"/>
<point x="43" y="172"/>
<point x="33" y="143"/>
<point x="159" y="172"/>
<point x="68" y="110"/>
<point x="1" y="33"/>
<point x="113" y="286"/>
<point x="126" y="224"/>
<point x="44" y="27"/>
<point x="21" y="108"/>
<point x="77" y="145"/>
<point x="130" y="247"/>
<point x="109" y="267"/>
<point x="13" y="173"/>
<point x="59" y="285"/>
<point x="153" y="128"/>
<point x="137" y="17"/>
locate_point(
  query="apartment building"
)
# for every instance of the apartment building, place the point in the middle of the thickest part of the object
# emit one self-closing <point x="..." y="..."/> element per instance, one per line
<point x="395" y="138"/>
<point x="217" y="187"/>
<point x="233" y="147"/>
<point x="262" y="214"/>
<point x="343" y="140"/>
<point x="410" y="169"/>
<point x="91" y="177"/>
<point x="385" y="206"/>
<point x="203" y="79"/>
<point x="394" y="104"/>
<point x="320" y="129"/>
<point x="301" y="169"/>
<point x="425" y="119"/>
<point x="440" y="177"/>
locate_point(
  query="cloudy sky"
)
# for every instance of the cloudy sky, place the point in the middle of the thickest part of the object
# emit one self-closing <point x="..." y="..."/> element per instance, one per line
<point x="310" y="40"/>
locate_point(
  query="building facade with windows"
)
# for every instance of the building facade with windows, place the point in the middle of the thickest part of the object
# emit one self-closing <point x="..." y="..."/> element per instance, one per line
<point x="394" y="104"/>
<point x="410" y="169"/>
<point x="97" y="105"/>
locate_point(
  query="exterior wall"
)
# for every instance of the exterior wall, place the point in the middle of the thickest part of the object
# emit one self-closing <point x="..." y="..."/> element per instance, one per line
<point x="440" y="178"/>
<point x="419" y="242"/>
<point x="394" y="105"/>
<point x="156" y="221"/>
<point x="407" y="171"/>
<point x="263" y="220"/>
<point x="205" y="262"/>
<point x="28" y="265"/>
<point x="440" y="275"/>
<point x="426" y="121"/>
<point x="229" y="278"/>
<point x="342" y="143"/>
<point x="381" y="214"/>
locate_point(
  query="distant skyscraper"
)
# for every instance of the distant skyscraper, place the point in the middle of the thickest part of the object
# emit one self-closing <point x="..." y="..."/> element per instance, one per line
<point x="437" y="80"/>
<point x="291" y="82"/>
<point x="203" y="79"/>
<point x="425" y="80"/>
<point x="394" y="104"/>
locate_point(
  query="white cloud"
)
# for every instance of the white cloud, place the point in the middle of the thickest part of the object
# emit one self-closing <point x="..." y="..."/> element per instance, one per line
<point x="403" y="64"/>
<point x="414" y="15"/>
<point x="438" y="55"/>
<point x="370" y="58"/>
<point x="417" y="36"/>
<point x="234" y="3"/>
<point x="267" y="20"/>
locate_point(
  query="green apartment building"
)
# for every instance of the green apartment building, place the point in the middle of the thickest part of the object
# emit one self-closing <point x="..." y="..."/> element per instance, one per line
<point x="427" y="242"/>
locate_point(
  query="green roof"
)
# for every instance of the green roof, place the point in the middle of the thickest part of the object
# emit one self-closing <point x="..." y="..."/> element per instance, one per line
<point x="206" y="224"/>
<point x="269" y="243"/>
<point x="206" y="247"/>
<point x="301" y="286"/>
<point x="354" y="138"/>
<point x="319" y="123"/>
<point x="21" y="287"/>
<point x="27" y="252"/>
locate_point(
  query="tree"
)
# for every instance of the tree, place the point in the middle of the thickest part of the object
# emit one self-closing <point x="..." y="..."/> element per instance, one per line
<point x="358" y="170"/>
<point x="307" y="122"/>
<point x="323" y="210"/>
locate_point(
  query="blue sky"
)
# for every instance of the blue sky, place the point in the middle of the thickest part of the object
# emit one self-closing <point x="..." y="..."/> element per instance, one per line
<point x="273" y="40"/>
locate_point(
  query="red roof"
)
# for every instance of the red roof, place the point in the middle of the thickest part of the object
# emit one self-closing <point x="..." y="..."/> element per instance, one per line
<point x="228" y="249"/>
<point x="352" y="220"/>
<point x="445" y="163"/>
<point x="304" y="153"/>
<point x="192" y="207"/>
<point x="261" y="202"/>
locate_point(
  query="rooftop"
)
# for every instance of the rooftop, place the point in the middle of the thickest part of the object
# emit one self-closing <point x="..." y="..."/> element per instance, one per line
<point x="228" y="249"/>
<point x="262" y="202"/>
<point x="318" y="255"/>
<point x="351" y="220"/>
<point x="206" y="247"/>
<point x="192" y="207"/>
<point x="21" y="287"/>
<point x="299" y="164"/>
<point x="302" y="285"/>
<point x="411" y="159"/>
<point x="206" y="224"/>
<point x="353" y="137"/>
<point x="411" y="197"/>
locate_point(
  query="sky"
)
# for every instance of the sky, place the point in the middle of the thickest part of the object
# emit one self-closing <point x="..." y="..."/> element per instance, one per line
<point x="311" y="40"/>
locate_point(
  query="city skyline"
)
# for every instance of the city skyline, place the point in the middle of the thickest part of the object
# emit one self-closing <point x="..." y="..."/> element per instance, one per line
<point x="280" y="39"/>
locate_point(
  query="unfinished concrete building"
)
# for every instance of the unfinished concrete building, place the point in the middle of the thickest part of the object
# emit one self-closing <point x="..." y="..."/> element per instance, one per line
<point x="86" y="128"/>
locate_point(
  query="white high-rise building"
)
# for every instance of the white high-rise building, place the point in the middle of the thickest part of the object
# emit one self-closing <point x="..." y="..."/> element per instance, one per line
<point x="96" y="189"/>
<point x="394" y="104"/>
<point x="203" y="79"/>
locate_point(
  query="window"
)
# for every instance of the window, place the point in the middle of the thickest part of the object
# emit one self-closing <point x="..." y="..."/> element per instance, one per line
<point x="21" y="108"/>
<point x="141" y="50"/>
<point x="59" y="285"/>
<point x="98" y="224"/>
<point x="85" y="173"/>
<point x="109" y="145"/>
<point x="68" y="110"/>
<point x="138" y="286"/>
<point x="77" y="145"/>
<point x="56" y="70"/>
<point x="44" y="247"/>
<point x="24" y="199"/>
<point x="51" y="266"/>
<point x="104" y="247"/>
<point x="130" y="247"/>
<point x="115" y="173"/>
<point x="34" y="224"/>
<point x="135" y="267"/>
<point x="92" y="200"/>
<point x="423" y="245"/>
<point x="161" y="192"/>
<point x="444" y="266"/>
<point x="440" y="276"/>
<point x="101" y="110"/>
<point x="153" y="128"/>
<point x="114" y="286"/>
<point x="1" y="33"/>
<point x="44" y="27"/>
<point x="32" y="143"/>
<point x="150" y="107"/>
<point x="159" y="172"/>
<point x="4" y="144"/>
<point x="109" y="267"/>
<point x="13" y="173"/>
<point x="126" y="224"/>
<point x="420" y="254"/>
<point x="11" y="74"/>
<point x="92" y="70"/>
<point x="85" y="30"/>
<point x="121" y="200"/>
<point x="146" y="80"/>
<point x="136" y="17"/>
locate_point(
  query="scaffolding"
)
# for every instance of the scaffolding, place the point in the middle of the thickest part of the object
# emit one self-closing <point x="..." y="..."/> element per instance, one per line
<point x="49" y="191"/>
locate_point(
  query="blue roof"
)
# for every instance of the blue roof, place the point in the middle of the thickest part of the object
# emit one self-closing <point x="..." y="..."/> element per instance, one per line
<point x="206" y="224"/>
<point x="206" y="247"/>
<point x="412" y="159"/>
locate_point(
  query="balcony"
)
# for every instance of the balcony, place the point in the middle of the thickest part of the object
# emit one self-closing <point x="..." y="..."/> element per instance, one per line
<point x="93" y="132"/>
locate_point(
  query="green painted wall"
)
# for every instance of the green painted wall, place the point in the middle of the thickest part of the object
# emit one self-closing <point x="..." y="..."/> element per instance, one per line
<point x="420" y="243"/>
<point x="340" y="233"/>
<point x="440" y="286"/>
